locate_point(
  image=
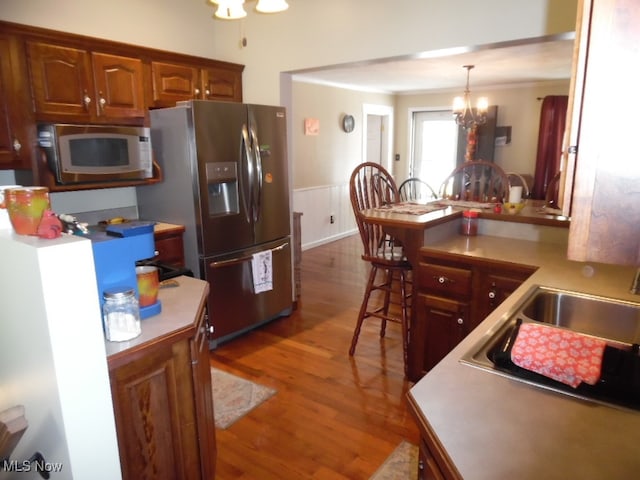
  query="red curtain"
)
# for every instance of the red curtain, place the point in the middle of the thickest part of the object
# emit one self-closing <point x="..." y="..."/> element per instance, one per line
<point x="553" y="117"/>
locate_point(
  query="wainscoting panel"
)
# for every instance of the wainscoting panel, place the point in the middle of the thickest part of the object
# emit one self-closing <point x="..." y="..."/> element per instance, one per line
<point x="317" y="205"/>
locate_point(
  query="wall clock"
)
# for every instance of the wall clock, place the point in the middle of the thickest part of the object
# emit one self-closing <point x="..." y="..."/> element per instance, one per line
<point x="348" y="123"/>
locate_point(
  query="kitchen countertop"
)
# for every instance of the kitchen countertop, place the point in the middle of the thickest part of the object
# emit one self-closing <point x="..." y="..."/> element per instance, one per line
<point x="179" y="315"/>
<point x="161" y="227"/>
<point x="496" y="428"/>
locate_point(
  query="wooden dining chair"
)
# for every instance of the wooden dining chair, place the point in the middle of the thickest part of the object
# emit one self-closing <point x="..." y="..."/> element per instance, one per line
<point x="415" y="190"/>
<point x="371" y="186"/>
<point x="477" y="181"/>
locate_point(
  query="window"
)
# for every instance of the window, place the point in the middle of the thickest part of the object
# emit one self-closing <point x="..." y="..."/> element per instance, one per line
<point x="435" y="141"/>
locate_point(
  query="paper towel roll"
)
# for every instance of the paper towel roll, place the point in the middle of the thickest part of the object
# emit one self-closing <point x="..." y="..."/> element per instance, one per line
<point x="515" y="194"/>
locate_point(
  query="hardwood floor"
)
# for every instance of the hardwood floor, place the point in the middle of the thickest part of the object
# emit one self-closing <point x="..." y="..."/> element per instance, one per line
<point x="334" y="416"/>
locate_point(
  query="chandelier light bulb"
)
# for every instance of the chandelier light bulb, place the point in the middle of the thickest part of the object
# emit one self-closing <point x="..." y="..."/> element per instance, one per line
<point x="271" y="6"/>
<point x="482" y="105"/>
<point x="230" y="9"/>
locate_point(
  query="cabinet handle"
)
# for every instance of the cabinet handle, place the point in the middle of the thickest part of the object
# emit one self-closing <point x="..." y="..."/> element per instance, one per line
<point x="196" y="92"/>
<point x="87" y="100"/>
<point x="16" y="145"/>
<point x="460" y="321"/>
<point x="207" y="92"/>
<point x="102" y="102"/>
<point x="492" y="294"/>
<point x="442" y="279"/>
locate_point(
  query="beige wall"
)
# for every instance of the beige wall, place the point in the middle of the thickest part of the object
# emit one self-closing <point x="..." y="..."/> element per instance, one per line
<point x="328" y="158"/>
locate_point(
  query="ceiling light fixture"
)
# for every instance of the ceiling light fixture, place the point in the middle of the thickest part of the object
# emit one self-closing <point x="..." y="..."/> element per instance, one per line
<point x="234" y="9"/>
<point x="462" y="110"/>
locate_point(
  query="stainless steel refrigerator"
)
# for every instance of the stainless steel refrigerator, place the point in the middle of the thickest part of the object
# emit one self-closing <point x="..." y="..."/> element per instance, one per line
<point x="226" y="180"/>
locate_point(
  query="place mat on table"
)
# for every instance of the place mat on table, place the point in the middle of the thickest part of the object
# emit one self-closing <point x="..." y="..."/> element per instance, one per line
<point x="411" y="208"/>
<point x="464" y="204"/>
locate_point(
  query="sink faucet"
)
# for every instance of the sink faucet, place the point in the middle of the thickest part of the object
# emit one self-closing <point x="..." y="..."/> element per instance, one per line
<point x="635" y="286"/>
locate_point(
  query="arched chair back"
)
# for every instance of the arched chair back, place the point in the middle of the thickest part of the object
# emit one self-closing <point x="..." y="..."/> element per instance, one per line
<point x="476" y="181"/>
<point x="416" y="190"/>
<point x="515" y="179"/>
<point x="370" y="187"/>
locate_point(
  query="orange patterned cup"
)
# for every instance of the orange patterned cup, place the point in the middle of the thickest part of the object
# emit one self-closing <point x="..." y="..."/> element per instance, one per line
<point x="148" y="284"/>
<point x="25" y="206"/>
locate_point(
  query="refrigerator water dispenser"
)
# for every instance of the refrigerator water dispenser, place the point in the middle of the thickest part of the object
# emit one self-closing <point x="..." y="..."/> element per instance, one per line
<point x="222" y="187"/>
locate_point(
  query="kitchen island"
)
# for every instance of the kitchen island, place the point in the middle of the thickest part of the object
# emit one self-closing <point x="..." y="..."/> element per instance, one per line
<point x="478" y="425"/>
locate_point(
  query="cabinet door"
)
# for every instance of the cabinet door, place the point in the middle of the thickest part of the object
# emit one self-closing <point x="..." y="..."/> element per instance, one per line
<point x="219" y="84"/>
<point x="61" y="80"/>
<point x="606" y="199"/>
<point x="170" y="248"/>
<point x="15" y="148"/>
<point x="119" y="85"/>
<point x="492" y="290"/>
<point x="427" y="467"/>
<point x="204" y="398"/>
<point x="153" y="399"/>
<point x="173" y="82"/>
<point x="445" y="325"/>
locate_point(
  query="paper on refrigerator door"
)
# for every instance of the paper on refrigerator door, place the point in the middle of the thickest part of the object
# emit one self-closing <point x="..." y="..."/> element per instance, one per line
<point x="261" y="265"/>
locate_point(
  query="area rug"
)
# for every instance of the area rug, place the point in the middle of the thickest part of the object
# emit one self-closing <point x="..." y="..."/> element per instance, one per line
<point x="402" y="464"/>
<point x="234" y="397"/>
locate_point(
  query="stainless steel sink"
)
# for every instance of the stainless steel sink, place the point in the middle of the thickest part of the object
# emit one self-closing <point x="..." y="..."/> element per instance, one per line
<point x="615" y="321"/>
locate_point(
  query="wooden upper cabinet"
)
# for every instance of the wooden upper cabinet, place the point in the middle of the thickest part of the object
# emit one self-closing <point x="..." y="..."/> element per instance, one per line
<point x="60" y="79"/>
<point x="15" y="122"/>
<point x="71" y="82"/>
<point x="175" y="82"/>
<point x="119" y="85"/>
<point x="605" y="202"/>
<point x="220" y="84"/>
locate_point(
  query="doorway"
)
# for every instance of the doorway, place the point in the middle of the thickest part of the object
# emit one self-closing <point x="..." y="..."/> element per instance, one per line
<point x="378" y="134"/>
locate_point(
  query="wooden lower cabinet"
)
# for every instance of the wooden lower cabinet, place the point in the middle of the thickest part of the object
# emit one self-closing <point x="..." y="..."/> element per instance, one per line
<point x="427" y="466"/>
<point x="169" y="247"/>
<point x="445" y="325"/>
<point x="164" y="410"/>
<point x="433" y="461"/>
<point x="453" y="294"/>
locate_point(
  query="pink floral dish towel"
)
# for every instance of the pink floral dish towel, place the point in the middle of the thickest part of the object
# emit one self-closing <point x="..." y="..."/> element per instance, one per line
<point x="562" y="355"/>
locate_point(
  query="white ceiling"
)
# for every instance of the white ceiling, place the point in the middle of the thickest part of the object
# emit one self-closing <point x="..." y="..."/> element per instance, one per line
<point x="539" y="60"/>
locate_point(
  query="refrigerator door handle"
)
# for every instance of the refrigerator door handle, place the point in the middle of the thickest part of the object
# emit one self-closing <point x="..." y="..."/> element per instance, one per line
<point x="231" y="261"/>
<point x="257" y="201"/>
<point x="246" y="160"/>
<point x="280" y="247"/>
<point x="243" y="259"/>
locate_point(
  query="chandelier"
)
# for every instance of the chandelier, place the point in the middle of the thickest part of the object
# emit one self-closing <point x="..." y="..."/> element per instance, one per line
<point x="462" y="110"/>
<point x="234" y="9"/>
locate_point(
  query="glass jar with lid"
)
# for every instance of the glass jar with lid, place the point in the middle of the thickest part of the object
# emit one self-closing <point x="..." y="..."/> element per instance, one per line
<point x="121" y="314"/>
<point x="469" y="224"/>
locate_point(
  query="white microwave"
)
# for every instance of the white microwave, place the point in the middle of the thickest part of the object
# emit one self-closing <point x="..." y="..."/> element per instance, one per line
<point x="80" y="154"/>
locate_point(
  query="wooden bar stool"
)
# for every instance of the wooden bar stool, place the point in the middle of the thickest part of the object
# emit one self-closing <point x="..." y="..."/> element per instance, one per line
<point x="371" y="186"/>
